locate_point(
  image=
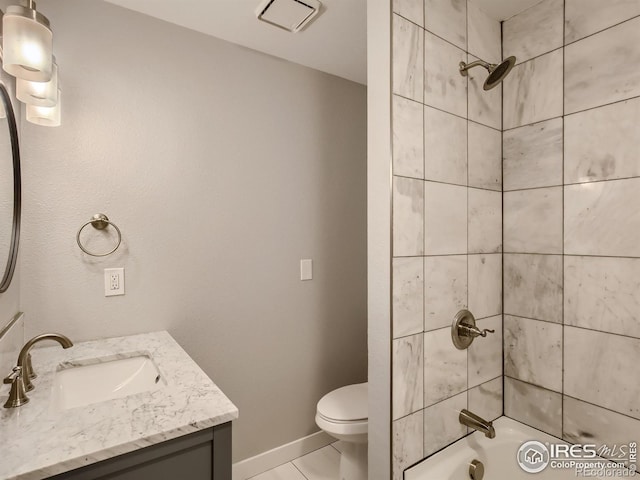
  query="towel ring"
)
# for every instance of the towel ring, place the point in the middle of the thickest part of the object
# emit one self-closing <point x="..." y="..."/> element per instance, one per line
<point x="99" y="221"/>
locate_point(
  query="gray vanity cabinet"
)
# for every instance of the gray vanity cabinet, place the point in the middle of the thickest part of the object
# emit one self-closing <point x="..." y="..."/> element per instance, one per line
<point x="203" y="455"/>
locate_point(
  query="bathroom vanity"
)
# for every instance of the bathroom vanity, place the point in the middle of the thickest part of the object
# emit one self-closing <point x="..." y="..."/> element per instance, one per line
<point x="134" y="407"/>
<point x="202" y="455"/>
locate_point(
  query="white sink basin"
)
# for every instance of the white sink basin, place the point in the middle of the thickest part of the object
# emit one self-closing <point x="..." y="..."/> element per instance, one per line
<point x="104" y="380"/>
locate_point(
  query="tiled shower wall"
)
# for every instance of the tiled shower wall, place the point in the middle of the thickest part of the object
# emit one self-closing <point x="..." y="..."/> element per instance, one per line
<point x="447" y="223"/>
<point x="572" y="219"/>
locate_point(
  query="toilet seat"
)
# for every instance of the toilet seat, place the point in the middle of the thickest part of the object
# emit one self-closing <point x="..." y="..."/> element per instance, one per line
<point x="340" y="428"/>
<point x="340" y="422"/>
<point x="346" y="404"/>
<point x="344" y="411"/>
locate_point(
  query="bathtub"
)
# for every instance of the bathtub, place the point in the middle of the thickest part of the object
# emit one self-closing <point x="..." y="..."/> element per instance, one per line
<point x="498" y="456"/>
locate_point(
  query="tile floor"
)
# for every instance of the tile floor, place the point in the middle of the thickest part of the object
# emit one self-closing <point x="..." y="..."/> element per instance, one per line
<point x="321" y="464"/>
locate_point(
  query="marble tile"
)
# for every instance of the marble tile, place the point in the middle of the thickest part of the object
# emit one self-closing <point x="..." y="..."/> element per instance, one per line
<point x="485" y="221"/>
<point x="408" y="58"/>
<point x="485" y="106"/>
<point x="486" y="399"/>
<point x="485" y="152"/>
<point x="408" y="143"/>
<point x="602" y="218"/>
<point x="603" y="68"/>
<point x="533" y="406"/>
<point x="445" y="219"/>
<point x="584" y="17"/>
<point x="410" y="9"/>
<point x="444" y="87"/>
<point x="408" y="296"/>
<point x="447" y="19"/>
<point x="445" y="146"/>
<point x="485" y="354"/>
<point x="586" y="423"/>
<point x="441" y="424"/>
<point x="533" y="221"/>
<point x="601" y="368"/>
<point x="533" y="286"/>
<point x="603" y="143"/>
<point x="535" y="31"/>
<point x="533" y="352"/>
<point x="408" y="217"/>
<point x="445" y="289"/>
<point x="533" y="91"/>
<point x="283" y="472"/>
<point x="485" y="37"/>
<point x="603" y="293"/>
<point x="485" y="285"/>
<point x="445" y="367"/>
<point x="322" y="464"/>
<point x="408" y="375"/>
<point x="532" y="155"/>
<point x="408" y="434"/>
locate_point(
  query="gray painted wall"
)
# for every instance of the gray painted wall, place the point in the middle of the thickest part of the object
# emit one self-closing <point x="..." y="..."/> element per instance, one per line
<point x="223" y="167"/>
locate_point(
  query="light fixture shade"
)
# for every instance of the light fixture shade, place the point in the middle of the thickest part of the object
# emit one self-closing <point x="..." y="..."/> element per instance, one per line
<point x="27" y="44"/>
<point x="40" y="94"/>
<point x="45" y="116"/>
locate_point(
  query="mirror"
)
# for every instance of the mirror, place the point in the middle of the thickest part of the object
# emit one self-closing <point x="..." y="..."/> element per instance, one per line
<point x="10" y="190"/>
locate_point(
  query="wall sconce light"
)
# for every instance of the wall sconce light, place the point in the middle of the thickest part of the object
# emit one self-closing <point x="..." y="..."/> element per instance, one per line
<point x="27" y="43"/>
<point x="45" y="116"/>
<point x="27" y="54"/>
<point x="40" y="94"/>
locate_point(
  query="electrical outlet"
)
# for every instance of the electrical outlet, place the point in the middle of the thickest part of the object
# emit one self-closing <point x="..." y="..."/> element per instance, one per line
<point x="113" y="281"/>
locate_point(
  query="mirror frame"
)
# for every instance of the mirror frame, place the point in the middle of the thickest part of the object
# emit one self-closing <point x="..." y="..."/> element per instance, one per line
<point x="17" y="191"/>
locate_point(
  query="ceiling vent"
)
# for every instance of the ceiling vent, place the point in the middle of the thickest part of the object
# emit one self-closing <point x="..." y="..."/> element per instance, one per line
<point x="290" y="15"/>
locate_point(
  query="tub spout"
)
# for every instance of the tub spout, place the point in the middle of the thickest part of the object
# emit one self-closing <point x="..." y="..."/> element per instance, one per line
<point x="472" y="420"/>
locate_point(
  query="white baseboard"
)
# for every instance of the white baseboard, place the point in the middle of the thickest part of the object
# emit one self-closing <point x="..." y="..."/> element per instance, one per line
<point x="279" y="455"/>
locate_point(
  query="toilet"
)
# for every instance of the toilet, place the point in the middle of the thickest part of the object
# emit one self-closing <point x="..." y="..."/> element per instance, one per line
<point x="343" y="414"/>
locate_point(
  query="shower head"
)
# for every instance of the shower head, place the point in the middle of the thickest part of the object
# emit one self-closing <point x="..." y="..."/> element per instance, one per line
<point x="497" y="72"/>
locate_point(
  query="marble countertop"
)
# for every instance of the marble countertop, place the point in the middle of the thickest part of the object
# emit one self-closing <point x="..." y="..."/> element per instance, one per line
<point x="40" y="440"/>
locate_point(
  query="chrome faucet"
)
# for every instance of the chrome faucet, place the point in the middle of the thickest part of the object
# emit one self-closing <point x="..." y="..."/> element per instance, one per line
<point x="472" y="420"/>
<point x="22" y="374"/>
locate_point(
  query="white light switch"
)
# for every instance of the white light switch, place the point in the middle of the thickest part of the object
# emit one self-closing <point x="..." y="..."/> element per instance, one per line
<point x="306" y="269"/>
<point x="113" y="281"/>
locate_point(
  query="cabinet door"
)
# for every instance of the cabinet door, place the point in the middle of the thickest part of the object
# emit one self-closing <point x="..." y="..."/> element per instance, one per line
<point x="192" y="464"/>
<point x="203" y="455"/>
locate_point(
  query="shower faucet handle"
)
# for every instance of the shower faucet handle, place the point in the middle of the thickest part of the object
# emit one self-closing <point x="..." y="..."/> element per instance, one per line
<point x="464" y="330"/>
<point x="473" y="331"/>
